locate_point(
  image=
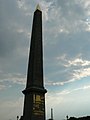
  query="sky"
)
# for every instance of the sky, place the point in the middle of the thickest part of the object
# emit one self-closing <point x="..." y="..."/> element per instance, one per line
<point x="66" y="41"/>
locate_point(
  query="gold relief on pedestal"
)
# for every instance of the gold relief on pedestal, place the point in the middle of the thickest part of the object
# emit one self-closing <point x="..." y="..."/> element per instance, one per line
<point x="38" y="104"/>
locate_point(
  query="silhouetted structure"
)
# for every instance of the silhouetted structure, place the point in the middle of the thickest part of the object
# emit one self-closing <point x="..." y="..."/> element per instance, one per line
<point x="67" y="117"/>
<point x="80" y="118"/>
<point x="51" y="115"/>
<point x="17" y="117"/>
<point x="34" y="103"/>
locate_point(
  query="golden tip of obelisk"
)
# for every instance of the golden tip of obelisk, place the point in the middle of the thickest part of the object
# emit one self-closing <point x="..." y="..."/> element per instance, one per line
<point x="38" y="7"/>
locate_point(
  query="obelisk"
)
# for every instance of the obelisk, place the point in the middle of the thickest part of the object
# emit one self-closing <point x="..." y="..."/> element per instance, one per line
<point x="34" y="102"/>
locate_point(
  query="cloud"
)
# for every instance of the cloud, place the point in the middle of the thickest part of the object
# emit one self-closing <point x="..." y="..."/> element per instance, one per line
<point x="45" y="8"/>
<point x="10" y="109"/>
<point x="70" y="18"/>
<point x="63" y="82"/>
<point x="2" y="87"/>
<point x="66" y="98"/>
<point x="81" y="73"/>
<point x="70" y="71"/>
<point x="65" y="92"/>
<point x="78" y="62"/>
<point x="65" y="16"/>
<point x="25" y="7"/>
<point x="14" y="78"/>
<point x="66" y="27"/>
<point x="52" y="101"/>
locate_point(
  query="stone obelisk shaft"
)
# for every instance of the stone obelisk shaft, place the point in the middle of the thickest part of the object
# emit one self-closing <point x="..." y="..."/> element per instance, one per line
<point x="34" y="103"/>
<point x="35" y="67"/>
